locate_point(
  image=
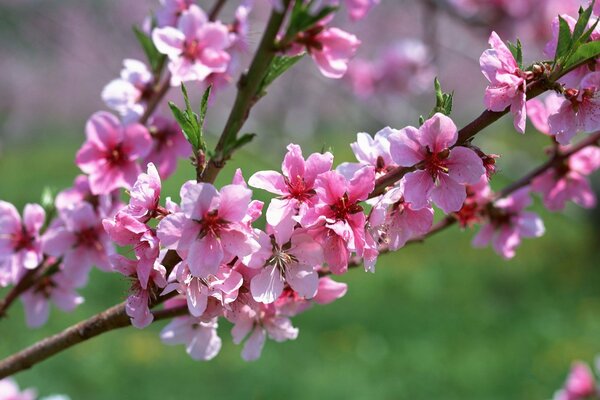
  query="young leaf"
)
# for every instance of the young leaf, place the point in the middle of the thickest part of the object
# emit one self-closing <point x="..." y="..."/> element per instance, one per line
<point x="188" y="121"/>
<point x="155" y="59"/>
<point x="565" y="40"/>
<point x="582" y="21"/>
<point x="517" y="52"/>
<point x="204" y="106"/>
<point x="279" y="65"/>
<point x="443" y="101"/>
<point x="185" y="125"/>
<point x="585" y="52"/>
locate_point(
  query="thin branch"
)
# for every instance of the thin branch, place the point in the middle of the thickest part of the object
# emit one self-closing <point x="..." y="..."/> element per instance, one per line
<point x="247" y="95"/>
<point x="159" y="92"/>
<point x="214" y="12"/>
<point x="556" y="160"/>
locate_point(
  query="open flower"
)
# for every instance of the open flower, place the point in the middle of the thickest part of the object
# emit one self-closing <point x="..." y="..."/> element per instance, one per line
<point x="337" y="220"/>
<point x="579" y="112"/>
<point x="295" y="187"/>
<point x="508" y="222"/>
<point x="196" y="48"/>
<point x="210" y="229"/>
<point x="442" y="172"/>
<point x="110" y="153"/>
<point x="292" y="262"/>
<point x="128" y="94"/>
<point x="568" y="181"/>
<point x="20" y="244"/>
<point x="507" y="81"/>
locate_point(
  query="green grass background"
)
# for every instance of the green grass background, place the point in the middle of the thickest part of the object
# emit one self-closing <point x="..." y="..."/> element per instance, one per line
<point x="438" y="320"/>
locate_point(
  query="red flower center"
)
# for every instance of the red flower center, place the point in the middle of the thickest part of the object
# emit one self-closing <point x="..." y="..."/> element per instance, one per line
<point x="436" y="163"/>
<point x="343" y="208"/>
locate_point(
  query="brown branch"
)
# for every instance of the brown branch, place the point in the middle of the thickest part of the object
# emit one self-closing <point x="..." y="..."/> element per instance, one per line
<point x="29" y="280"/>
<point x="159" y="92"/>
<point x="115" y="317"/>
<point x="465" y="134"/>
<point x="214" y="12"/>
<point x="556" y="160"/>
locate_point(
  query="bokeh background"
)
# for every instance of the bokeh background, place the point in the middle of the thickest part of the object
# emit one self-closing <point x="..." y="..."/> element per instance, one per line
<point x="437" y="319"/>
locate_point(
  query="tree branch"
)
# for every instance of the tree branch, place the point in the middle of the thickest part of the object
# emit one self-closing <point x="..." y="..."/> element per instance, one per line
<point x="246" y="97"/>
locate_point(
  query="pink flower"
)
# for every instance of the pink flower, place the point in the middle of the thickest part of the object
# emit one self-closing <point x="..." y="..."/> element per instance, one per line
<point x="507" y="81"/>
<point x="223" y="286"/>
<point x="20" y="244"/>
<point x="441" y="173"/>
<point x="357" y="9"/>
<point x="539" y="112"/>
<point x="293" y="262"/>
<point x="253" y="322"/>
<point x="337" y="221"/>
<point x="145" y="195"/>
<point x="57" y="288"/>
<point x="198" y="335"/>
<point x="9" y="390"/>
<point x="168" y="145"/>
<point x="374" y="151"/>
<point x="508" y="223"/>
<point x="170" y="10"/>
<point x="295" y="186"/>
<point x="580" y="384"/>
<point x="109" y="155"/>
<point x="196" y="48"/>
<point x="397" y="221"/>
<point x="128" y="95"/>
<point x="567" y="181"/>
<point x="79" y="238"/>
<point x="330" y="48"/>
<point x="580" y="111"/>
<point x="138" y="303"/>
<point x="210" y="230"/>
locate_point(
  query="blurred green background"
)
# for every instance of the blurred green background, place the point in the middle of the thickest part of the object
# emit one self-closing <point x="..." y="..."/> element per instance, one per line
<point x="437" y="320"/>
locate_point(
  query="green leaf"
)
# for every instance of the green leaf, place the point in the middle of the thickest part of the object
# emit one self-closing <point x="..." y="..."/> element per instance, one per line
<point x="517" y="52"/>
<point x="279" y="65"/>
<point x="585" y="52"/>
<point x="204" y="105"/>
<point x="155" y="59"/>
<point x="565" y="40"/>
<point x="188" y="120"/>
<point x="582" y="21"/>
<point x="185" y="125"/>
<point x="303" y="19"/>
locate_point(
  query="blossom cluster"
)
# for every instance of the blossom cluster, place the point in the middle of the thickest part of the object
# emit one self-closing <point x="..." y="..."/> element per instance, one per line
<point x="205" y="252"/>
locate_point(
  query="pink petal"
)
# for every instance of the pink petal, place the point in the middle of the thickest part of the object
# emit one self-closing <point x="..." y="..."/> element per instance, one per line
<point x="405" y="147"/>
<point x="448" y="194"/>
<point x="169" y="41"/>
<point x="205" y="256"/>
<point x="271" y="181"/>
<point x="267" y="286"/>
<point x="418" y="186"/>
<point x="438" y="133"/>
<point x="464" y="166"/>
